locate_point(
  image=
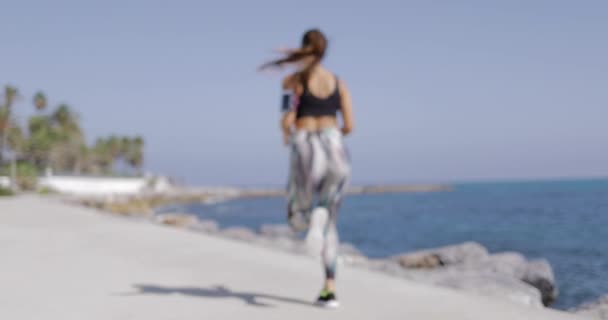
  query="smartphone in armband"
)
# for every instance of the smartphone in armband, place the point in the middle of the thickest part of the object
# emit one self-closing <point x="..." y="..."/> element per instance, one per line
<point x="289" y="101"/>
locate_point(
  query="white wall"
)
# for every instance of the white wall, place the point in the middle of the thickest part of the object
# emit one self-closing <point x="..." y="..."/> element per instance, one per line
<point x="93" y="185"/>
<point x="5" y="182"/>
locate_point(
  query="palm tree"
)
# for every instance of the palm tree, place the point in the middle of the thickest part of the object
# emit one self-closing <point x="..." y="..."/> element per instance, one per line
<point x="56" y="140"/>
<point x="84" y="161"/>
<point x="126" y="144"/>
<point x="114" y="145"/>
<point x="66" y="119"/>
<point x="102" y="156"/>
<point x="16" y="140"/>
<point x="65" y="153"/>
<point x="40" y="101"/>
<point x="10" y="96"/>
<point x="4" y="119"/>
<point x="136" y="154"/>
<point x="41" y="140"/>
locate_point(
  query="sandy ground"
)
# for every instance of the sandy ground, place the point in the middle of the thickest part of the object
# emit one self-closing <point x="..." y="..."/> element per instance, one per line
<point x="65" y="262"/>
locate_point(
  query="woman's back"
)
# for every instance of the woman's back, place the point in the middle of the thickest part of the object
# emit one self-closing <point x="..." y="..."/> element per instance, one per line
<point x="320" y="96"/>
<point x="321" y="83"/>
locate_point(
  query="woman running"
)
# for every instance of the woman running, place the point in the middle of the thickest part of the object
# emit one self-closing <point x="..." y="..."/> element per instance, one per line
<point x="319" y="164"/>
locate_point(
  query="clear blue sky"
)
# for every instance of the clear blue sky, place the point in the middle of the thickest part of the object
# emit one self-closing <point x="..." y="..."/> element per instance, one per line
<point x="443" y="90"/>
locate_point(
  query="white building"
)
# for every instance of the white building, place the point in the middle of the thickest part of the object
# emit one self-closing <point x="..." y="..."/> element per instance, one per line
<point x="100" y="186"/>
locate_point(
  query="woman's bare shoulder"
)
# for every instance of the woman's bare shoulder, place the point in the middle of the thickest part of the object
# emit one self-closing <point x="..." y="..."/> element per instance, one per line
<point x="342" y="86"/>
<point x="290" y="81"/>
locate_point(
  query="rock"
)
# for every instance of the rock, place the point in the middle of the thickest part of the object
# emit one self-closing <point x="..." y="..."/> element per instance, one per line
<point x="465" y="252"/>
<point x="127" y="207"/>
<point x="510" y="264"/>
<point x="178" y="219"/>
<point x="277" y="231"/>
<point x="431" y="258"/>
<point x="209" y="226"/>
<point x="425" y="261"/>
<point x="597" y="309"/>
<point x="495" y="285"/>
<point x="539" y="274"/>
<point x="240" y="233"/>
<point x="477" y="281"/>
<point x="469" y="267"/>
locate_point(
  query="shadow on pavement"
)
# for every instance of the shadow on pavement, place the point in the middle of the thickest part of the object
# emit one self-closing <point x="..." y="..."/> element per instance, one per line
<point x="217" y="292"/>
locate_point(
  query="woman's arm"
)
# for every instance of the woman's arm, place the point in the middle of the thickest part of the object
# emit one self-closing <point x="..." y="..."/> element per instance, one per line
<point x="347" y="109"/>
<point x="287" y="122"/>
<point x="288" y="108"/>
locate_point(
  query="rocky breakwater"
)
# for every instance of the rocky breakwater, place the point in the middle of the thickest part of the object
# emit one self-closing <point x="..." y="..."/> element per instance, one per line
<point x="470" y="267"/>
<point x="144" y="204"/>
<point x="276" y="236"/>
<point x="467" y="266"/>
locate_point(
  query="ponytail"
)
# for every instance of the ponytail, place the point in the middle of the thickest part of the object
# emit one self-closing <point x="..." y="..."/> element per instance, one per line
<point x="314" y="44"/>
<point x="292" y="56"/>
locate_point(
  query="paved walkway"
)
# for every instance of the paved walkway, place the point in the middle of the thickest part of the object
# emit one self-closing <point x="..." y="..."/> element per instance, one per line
<point x="64" y="262"/>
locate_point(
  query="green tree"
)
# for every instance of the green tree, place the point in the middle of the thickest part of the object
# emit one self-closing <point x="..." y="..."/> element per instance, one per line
<point x="126" y="144"/>
<point x="66" y="148"/>
<point x="4" y="126"/>
<point x="135" y="157"/>
<point x="66" y="120"/>
<point x="56" y="140"/>
<point x="40" y="101"/>
<point x="16" y="140"/>
<point x="101" y="157"/>
<point x="11" y="94"/>
<point x="41" y="140"/>
<point x="85" y="160"/>
<point x="115" y="149"/>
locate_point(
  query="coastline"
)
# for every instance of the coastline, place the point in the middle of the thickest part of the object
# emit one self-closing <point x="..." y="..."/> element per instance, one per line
<point x="508" y="275"/>
<point x="101" y="266"/>
<point x="145" y="203"/>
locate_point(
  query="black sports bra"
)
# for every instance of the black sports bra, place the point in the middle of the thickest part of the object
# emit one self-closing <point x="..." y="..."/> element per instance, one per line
<point x="311" y="106"/>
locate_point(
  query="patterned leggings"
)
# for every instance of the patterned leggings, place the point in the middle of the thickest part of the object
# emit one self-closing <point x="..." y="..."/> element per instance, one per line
<point x="319" y="172"/>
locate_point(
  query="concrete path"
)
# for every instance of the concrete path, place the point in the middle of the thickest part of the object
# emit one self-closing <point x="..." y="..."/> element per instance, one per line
<point x="64" y="262"/>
